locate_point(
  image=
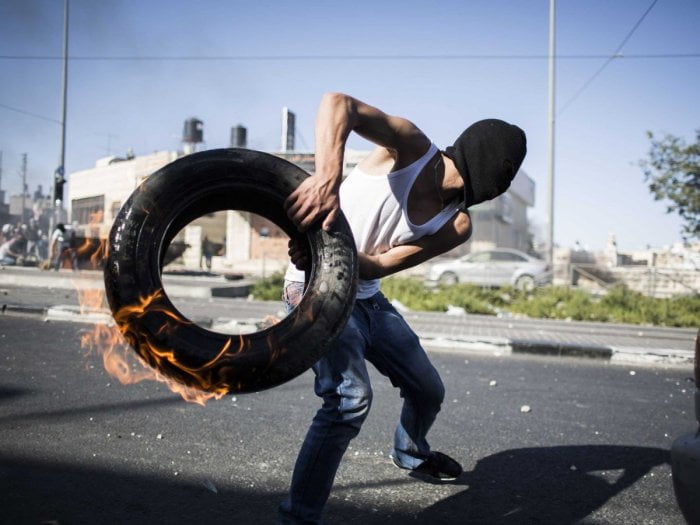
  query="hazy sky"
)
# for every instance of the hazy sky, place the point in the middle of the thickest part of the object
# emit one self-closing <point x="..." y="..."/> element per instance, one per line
<point x="120" y="97"/>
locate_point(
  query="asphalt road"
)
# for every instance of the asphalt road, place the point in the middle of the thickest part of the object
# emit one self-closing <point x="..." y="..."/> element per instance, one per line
<point x="77" y="447"/>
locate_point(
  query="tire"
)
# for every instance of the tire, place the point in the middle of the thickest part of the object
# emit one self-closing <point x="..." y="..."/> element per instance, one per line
<point x="170" y="199"/>
<point x="448" y="279"/>
<point x="525" y="283"/>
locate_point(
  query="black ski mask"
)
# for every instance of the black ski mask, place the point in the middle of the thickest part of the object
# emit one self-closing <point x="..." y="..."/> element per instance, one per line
<point x="487" y="155"/>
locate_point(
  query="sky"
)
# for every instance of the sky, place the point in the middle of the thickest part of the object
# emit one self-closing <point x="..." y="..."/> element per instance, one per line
<point x="139" y="68"/>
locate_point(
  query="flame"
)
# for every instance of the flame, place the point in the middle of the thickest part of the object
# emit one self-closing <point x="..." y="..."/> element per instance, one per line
<point x="110" y="340"/>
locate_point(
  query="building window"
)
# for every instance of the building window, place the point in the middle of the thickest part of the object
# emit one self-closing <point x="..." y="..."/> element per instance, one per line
<point x="505" y="208"/>
<point x="116" y="206"/>
<point x="88" y="210"/>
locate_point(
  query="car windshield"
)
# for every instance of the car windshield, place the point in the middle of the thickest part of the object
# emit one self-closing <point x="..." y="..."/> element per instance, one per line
<point x="507" y="257"/>
<point x="478" y="257"/>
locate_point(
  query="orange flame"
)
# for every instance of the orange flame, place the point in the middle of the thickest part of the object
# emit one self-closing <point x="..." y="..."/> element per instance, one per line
<point x="109" y="342"/>
<point x="107" y="339"/>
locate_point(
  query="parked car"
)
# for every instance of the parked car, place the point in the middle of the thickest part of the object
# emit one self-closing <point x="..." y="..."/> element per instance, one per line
<point x="497" y="267"/>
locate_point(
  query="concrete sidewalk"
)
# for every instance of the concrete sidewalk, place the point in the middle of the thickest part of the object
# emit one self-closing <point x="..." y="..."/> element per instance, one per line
<point x="178" y="285"/>
<point x="438" y="331"/>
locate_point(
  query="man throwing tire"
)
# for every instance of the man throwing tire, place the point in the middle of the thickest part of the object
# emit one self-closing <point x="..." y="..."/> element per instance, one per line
<point x="405" y="203"/>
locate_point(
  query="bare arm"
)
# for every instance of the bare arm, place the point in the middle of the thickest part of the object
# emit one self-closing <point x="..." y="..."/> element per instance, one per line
<point x="316" y="198"/>
<point x="451" y="235"/>
<point x="52" y="248"/>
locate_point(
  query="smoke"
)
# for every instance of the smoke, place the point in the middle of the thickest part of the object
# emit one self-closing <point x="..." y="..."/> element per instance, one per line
<point x="31" y="26"/>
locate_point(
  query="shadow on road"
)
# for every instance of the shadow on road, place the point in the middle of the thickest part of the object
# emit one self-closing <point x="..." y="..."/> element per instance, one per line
<point x="8" y="392"/>
<point x="557" y="485"/>
<point x="554" y="485"/>
<point x="47" y="416"/>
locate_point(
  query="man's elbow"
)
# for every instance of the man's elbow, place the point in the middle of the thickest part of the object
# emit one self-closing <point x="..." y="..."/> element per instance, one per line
<point x="463" y="227"/>
<point x="336" y="99"/>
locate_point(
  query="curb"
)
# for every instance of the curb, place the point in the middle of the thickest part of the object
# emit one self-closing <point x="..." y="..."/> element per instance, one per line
<point x="495" y="346"/>
<point x="522" y="346"/>
<point x="173" y="284"/>
<point x="614" y="355"/>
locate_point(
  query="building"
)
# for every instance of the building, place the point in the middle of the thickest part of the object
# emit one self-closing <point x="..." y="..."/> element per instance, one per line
<point x="97" y="194"/>
<point x="502" y="222"/>
<point x="656" y="272"/>
<point x="22" y="208"/>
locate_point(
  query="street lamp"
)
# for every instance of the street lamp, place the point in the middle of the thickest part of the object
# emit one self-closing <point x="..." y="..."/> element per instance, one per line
<point x="264" y="234"/>
<point x="59" y="174"/>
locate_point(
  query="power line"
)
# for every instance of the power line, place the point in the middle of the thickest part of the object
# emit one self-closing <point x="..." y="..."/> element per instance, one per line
<point x="48" y="119"/>
<point x="193" y="58"/>
<point x="616" y="54"/>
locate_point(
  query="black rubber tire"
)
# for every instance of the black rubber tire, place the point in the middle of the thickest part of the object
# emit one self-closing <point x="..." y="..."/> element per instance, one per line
<point x="170" y="199"/>
<point x="525" y="283"/>
<point x="448" y="279"/>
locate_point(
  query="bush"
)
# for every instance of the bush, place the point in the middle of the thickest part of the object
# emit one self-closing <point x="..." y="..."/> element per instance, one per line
<point x="620" y="304"/>
<point x="555" y="302"/>
<point x="268" y="289"/>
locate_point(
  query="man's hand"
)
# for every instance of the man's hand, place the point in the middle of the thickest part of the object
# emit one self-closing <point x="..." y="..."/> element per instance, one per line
<point x="315" y="199"/>
<point x="299" y="253"/>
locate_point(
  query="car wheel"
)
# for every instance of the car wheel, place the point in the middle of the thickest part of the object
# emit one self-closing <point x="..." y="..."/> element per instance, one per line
<point x="448" y="279"/>
<point x="525" y="283"/>
<point x="170" y="199"/>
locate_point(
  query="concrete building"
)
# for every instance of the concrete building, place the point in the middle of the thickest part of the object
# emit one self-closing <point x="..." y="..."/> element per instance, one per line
<point x="95" y="195"/>
<point x="502" y="222"/>
<point x="37" y="206"/>
<point x="657" y="272"/>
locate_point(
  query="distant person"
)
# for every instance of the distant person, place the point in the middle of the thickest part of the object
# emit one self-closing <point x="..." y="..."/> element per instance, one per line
<point x="207" y="252"/>
<point x="11" y="250"/>
<point x="406" y="203"/>
<point x="60" y="249"/>
<point x="5" y="233"/>
<point x="33" y="235"/>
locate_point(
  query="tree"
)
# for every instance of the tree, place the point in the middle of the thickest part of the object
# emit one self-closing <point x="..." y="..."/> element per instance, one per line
<point x="672" y="171"/>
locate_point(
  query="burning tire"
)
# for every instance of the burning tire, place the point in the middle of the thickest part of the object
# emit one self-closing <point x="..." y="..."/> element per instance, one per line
<point x="170" y="199"/>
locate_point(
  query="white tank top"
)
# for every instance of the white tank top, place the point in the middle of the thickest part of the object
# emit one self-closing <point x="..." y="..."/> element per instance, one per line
<point x="376" y="208"/>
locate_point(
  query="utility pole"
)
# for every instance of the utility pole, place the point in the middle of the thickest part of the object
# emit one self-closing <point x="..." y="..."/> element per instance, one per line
<point x="24" y="187"/>
<point x="550" y="138"/>
<point x="59" y="175"/>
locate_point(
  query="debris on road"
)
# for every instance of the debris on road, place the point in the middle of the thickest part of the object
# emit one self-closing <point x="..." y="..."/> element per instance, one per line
<point x="209" y="485"/>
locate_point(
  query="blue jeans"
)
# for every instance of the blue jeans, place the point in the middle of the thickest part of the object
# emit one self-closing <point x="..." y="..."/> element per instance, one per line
<point x="376" y="332"/>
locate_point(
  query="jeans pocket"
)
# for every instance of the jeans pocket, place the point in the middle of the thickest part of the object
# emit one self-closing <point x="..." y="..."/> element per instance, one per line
<point x="293" y="292"/>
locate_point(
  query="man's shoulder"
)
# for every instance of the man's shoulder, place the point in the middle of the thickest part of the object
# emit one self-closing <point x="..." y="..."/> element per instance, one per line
<point x="382" y="159"/>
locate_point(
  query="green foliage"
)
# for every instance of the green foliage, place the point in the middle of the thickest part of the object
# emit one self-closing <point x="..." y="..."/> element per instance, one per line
<point x="672" y="171"/>
<point x="414" y="295"/>
<point x="555" y="302"/>
<point x="619" y="305"/>
<point x="269" y="289"/>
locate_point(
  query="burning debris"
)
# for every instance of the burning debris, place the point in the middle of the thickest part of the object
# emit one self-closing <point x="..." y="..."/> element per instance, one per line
<point x="109" y="342"/>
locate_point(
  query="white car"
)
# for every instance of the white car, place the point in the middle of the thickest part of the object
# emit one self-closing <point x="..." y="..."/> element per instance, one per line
<point x="497" y="267"/>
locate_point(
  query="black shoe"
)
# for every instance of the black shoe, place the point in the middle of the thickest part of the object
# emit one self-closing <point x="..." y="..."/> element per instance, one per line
<point x="437" y="467"/>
